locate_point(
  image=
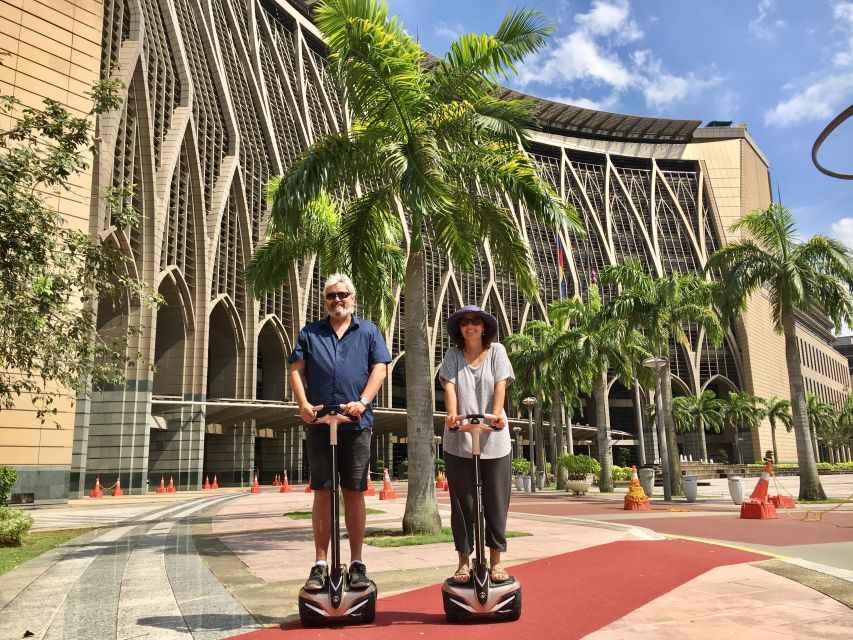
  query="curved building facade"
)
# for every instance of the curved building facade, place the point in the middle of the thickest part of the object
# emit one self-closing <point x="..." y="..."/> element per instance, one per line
<point x="222" y="95"/>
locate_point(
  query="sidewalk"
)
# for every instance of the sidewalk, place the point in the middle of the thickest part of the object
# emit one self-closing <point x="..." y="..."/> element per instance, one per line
<point x="220" y="564"/>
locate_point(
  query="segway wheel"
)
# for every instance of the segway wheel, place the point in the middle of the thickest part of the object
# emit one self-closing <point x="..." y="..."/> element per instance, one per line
<point x="515" y="611"/>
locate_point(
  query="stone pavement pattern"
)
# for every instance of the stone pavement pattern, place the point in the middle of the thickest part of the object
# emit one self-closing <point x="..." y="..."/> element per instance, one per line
<point x="217" y="564"/>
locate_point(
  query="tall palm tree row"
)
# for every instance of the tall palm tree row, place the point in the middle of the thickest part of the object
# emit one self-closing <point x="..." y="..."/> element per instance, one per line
<point x="743" y="411"/>
<point x="429" y="141"/>
<point x="596" y="343"/>
<point x="822" y="421"/>
<point x="703" y="412"/>
<point x="661" y="309"/>
<point x="812" y="275"/>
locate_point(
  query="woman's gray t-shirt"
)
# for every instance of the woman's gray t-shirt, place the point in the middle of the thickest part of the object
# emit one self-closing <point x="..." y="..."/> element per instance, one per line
<point x="475" y="389"/>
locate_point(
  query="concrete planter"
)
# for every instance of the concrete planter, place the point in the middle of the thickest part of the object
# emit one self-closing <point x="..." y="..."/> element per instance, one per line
<point x="736" y="489"/>
<point x="647" y="480"/>
<point x="578" y="487"/>
<point x="691" y="487"/>
<point x="519" y="482"/>
<point x="527" y="484"/>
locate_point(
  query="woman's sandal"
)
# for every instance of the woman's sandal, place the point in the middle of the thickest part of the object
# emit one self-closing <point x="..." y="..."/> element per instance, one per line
<point x="499" y="574"/>
<point x="462" y="575"/>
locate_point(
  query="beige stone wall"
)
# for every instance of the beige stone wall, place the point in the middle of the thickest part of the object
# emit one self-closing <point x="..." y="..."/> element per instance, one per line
<point x="739" y="184"/>
<point x="55" y="47"/>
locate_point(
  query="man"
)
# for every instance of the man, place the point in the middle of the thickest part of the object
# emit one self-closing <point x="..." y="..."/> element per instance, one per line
<point x="342" y="360"/>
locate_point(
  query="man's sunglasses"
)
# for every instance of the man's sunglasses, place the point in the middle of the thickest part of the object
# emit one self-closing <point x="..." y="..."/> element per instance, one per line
<point x="466" y="321"/>
<point x="340" y="295"/>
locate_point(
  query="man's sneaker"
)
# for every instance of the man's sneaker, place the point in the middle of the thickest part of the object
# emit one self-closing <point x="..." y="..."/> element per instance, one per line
<point x="358" y="576"/>
<point x="317" y="578"/>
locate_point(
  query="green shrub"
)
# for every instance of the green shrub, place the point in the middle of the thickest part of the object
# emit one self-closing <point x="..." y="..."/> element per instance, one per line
<point x="14" y="525"/>
<point x="522" y="466"/>
<point x="439" y="464"/>
<point x="621" y="456"/>
<point x="8" y="478"/>
<point x="621" y="473"/>
<point x="579" y="466"/>
<point x="722" y="456"/>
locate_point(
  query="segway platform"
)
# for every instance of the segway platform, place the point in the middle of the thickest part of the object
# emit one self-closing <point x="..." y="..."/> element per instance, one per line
<point x="481" y="596"/>
<point x="338" y="603"/>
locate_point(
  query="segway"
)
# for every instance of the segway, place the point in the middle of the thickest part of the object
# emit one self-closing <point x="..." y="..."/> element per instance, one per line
<point x="337" y="602"/>
<point x="480" y="596"/>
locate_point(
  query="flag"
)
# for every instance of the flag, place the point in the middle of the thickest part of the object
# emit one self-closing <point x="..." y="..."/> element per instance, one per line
<point x="561" y="267"/>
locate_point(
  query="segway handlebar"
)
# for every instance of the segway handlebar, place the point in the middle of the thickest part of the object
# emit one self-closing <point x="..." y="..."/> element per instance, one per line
<point x="473" y="422"/>
<point x="334" y="415"/>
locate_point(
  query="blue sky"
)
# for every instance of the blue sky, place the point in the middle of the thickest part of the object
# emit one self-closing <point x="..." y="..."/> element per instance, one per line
<point x="783" y="67"/>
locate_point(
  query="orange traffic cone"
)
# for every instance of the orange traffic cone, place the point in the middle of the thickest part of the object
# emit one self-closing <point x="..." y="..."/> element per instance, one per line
<point x="215" y="484"/>
<point x="445" y="486"/>
<point x="308" y="488"/>
<point x="117" y="492"/>
<point x="439" y="481"/>
<point x="758" y="507"/>
<point x="285" y="486"/>
<point x="171" y="487"/>
<point x="256" y="488"/>
<point x="636" y="499"/>
<point x="387" y="492"/>
<point x="277" y="481"/>
<point x="96" y="492"/>
<point x="162" y="487"/>
<point x="206" y="484"/>
<point x="370" y="491"/>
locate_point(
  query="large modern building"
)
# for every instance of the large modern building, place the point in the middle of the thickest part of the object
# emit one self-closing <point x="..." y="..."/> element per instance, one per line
<point x="220" y="96"/>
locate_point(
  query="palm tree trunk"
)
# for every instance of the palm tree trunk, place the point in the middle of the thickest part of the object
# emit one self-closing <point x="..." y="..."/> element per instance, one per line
<point x="702" y="444"/>
<point x="605" y="452"/>
<point x="540" y="436"/>
<point x="557" y="418"/>
<point x="421" y="515"/>
<point x="773" y="438"/>
<point x="810" y="487"/>
<point x="671" y="442"/>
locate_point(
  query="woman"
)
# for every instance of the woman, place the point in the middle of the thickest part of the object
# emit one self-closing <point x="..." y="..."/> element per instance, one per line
<point x="475" y="374"/>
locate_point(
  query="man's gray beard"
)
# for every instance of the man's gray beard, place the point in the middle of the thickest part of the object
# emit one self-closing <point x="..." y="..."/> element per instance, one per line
<point x="341" y="312"/>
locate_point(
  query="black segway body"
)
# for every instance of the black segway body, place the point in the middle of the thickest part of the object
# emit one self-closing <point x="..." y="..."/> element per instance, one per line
<point x="480" y="596"/>
<point x="337" y="602"/>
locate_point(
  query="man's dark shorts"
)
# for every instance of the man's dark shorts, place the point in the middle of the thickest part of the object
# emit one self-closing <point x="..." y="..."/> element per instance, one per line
<point x="353" y="458"/>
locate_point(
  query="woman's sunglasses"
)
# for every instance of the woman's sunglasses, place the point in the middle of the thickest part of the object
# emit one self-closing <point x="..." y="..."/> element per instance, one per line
<point x="340" y="295"/>
<point x="464" y="322"/>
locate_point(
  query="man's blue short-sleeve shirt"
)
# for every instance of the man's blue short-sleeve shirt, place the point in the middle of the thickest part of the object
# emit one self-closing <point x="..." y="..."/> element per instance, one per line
<point x="336" y="370"/>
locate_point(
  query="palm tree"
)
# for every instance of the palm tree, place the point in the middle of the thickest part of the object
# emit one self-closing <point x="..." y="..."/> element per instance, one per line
<point x="661" y="308"/>
<point x="822" y="420"/>
<point x="778" y="410"/>
<point x="813" y="275"/>
<point x="596" y="343"/>
<point x="705" y="411"/>
<point x="530" y="353"/>
<point x="743" y="410"/>
<point x="845" y="422"/>
<point x="430" y="141"/>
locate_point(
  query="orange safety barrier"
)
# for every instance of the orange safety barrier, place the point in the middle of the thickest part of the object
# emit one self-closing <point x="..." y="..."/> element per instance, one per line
<point x="206" y="484"/>
<point x="117" y="492"/>
<point x="636" y="499"/>
<point x="256" y="488"/>
<point x="370" y="491"/>
<point x="387" y="492"/>
<point x="171" y="487"/>
<point x="215" y="484"/>
<point x="285" y="486"/>
<point x="96" y="492"/>
<point x="162" y="487"/>
<point x="759" y="507"/>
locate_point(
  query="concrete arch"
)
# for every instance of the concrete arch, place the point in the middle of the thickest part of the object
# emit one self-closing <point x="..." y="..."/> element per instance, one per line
<point x="224" y="348"/>
<point x="271" y="362"/>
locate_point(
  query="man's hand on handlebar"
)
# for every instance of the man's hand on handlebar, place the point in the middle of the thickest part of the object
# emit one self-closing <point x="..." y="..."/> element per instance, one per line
<point x="308" y="412"/>
<point x="450" y="420"/>
<point x="500" y="423"/>
<point x="354" y="409"/>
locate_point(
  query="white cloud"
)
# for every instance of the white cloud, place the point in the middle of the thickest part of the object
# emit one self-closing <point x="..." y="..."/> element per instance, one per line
<point x="819" y="101"/>
<point x="763" y="26"/>
<point x="449" y="31"/>
<point x="608" y="103"/>
<point x="828" y="91"/>
<point x="843" y="230"/>
<point x="593" y="54"/>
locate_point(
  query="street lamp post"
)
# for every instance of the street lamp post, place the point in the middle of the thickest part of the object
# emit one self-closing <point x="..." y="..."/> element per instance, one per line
<point x="517" y="432"/>
<point x="657" y="364"/>
<point x="530" y="402"/>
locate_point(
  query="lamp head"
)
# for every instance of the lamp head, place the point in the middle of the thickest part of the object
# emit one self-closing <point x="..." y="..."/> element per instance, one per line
<point x="656" y="363"/>
<point x="529" y="401"/>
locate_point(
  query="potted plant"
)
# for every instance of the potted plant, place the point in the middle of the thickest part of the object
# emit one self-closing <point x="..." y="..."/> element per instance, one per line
<point x="520" y="469"/>
<point x="579" y="467"/>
